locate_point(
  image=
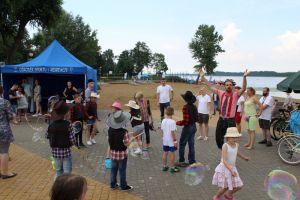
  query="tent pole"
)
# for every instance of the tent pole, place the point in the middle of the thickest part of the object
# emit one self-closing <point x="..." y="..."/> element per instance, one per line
<point x="1" y="67"/>
<point x="85" y="81"/>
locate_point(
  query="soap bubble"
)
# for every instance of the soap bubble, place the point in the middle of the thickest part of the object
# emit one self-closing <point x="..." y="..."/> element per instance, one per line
<point x="195" y="173"/>
<point x="36" y="137"/>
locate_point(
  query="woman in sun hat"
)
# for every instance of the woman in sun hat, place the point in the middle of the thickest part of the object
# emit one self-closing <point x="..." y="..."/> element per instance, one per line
<point x="190" y="117"/>
<point x="136" y="123"/>
<point x="92" y="116"/>
<point x="226" y="176"/>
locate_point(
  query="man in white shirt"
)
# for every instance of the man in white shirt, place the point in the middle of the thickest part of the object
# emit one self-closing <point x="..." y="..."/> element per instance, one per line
<point x="89" y="89"/>
<point x="266" y="116"/>
<point x="163" y="93"/>
<point x="204" y="111"/>
<point x="288" y="102"/>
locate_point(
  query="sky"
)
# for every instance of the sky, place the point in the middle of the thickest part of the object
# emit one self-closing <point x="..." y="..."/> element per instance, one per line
<point x="260" y="35"/>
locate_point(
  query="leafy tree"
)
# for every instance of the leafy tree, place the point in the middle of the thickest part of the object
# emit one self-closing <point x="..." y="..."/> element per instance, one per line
<point x="158" y="63"/>
<point x="17" y="14"/>
<point x="74" y="35"/>
<point x="126" y="63"/>
<point x="205" y="46"/>
<point x="141" y="55"/>
<point x="108" y="60"/>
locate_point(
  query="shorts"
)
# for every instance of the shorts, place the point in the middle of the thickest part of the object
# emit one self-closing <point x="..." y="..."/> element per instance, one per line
<point x="14" y="108"/>
<point x="203" y="118"/>
<point x="90" y="122"/>
<point x="4" y="147"/>
<point x="238" y="117"/>
<point x="169" y="149"/>
<point x="37" y="98"/>
<point x="251" y="123"/>
<point x="139" y="129"/>
<point x="264" y="124"/>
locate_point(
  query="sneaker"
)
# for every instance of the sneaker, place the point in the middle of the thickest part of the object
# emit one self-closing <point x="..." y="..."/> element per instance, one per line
<point x="138" y="151"/>
<point x="199" y="138"/>
<point x="263" y="142"/>
<point x="128" y="188"/>
<point x="82" y="145"/>
<point x="93" y="141"/>
<point x="228" y="197"/>
<point x="269" y="144"/>
<point x="205" y="138"/>
<point x="89" y="143"/>
<point x="116" y="187"/>
<point x="165" y="168"/>
<point x="216" y="198"/>
<point x="35" y="115"/>
<point x="174" y="170"/>
<point x="181" y="164"/>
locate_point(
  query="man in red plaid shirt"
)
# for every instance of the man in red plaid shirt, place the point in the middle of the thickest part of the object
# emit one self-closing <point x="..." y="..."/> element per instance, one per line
<point x="118" y="141"/>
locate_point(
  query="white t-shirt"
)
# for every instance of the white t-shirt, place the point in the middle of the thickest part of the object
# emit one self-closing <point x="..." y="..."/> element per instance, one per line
<point x="203" y="103"/>
<point x="167" y="126"/>
<point x="266" y="113"/>
<point x="240" y="101"/>
<point x="164" y="93"/>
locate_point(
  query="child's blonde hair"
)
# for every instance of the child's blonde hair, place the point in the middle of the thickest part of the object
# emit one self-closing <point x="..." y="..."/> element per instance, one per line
<point x="169" y="111"/>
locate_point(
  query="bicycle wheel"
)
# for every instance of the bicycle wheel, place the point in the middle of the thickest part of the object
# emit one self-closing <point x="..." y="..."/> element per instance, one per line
<point x="273" y="121"/>
<point x="278" y="129"/>
<point x="289" y="149"/>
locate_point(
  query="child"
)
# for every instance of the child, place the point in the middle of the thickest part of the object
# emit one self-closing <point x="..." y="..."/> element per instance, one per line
<point x="92" y="116"/>
<point x="77" y="114"/>
<point x="118" y="141"/>
<point x="61" y="139"/>
<point x="136" y="123"/>
<point x="226" y="176"/>
<point x="22" y="103"/>
<point x="69" y="187"/>
<point x="168" y="127"/>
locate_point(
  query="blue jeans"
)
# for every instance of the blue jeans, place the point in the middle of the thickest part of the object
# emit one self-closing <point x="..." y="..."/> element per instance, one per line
<point x="118" y="165"/>
<point x="162" y="107"/>
<point x="187" y="136"/>
<point x="216" y="106"/>
<point x="63" y="166"/>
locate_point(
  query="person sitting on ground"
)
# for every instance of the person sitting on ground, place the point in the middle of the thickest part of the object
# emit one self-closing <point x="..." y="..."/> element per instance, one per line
<point x="168" y="127"/>
<point x="69" y="187"/>
<point x="61" y="139"/>
<point x="92" y="116"/>
<point x="136" y="123"/>
<point x="118" y="139"/>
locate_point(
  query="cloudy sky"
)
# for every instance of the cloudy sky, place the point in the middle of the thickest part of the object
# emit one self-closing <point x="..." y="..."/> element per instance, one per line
<point x="258" y="34"/>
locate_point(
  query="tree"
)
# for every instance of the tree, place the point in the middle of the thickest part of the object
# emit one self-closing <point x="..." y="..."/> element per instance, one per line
<point x="126" y="63"/>
<point x="141" y="55"/>
<point x="17" y="14"/>
<point x="205" y="46"/>
<point x="108" y="60"/>
<point x="76" y="36"/>
<point x="158" y="63"/>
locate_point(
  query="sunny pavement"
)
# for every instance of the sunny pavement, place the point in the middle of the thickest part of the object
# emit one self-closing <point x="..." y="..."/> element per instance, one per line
<point x="35" y="174"/>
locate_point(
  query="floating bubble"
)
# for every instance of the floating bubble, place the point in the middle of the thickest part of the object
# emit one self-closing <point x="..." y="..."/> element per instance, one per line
<point x="195" y="173"/>
<point x="145" y="155"/>
<point x="132" y="148"/>
<point x="281" y="185"/>
<point x="36" y="137"/>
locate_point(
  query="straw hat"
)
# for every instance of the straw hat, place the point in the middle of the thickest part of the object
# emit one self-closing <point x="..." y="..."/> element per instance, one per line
<point x="232" y="132"/>
<point x="95" y="95"/>
<point x="118" y="119"/>
<point x="132" y="104"/>
<point x="117" y="105"/>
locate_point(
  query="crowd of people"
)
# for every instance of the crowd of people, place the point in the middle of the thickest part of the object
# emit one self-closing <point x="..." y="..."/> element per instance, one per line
<point x="230" y="103"/>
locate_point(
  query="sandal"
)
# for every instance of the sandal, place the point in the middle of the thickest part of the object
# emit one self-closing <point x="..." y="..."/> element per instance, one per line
<point x="8" y="176"/>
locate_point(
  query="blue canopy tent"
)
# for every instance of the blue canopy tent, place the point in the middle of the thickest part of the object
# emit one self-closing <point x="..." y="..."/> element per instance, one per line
<point x="53" y="68"/>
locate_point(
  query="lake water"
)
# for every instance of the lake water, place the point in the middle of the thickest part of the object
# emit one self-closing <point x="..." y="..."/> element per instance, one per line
<point x="256" y="82"/>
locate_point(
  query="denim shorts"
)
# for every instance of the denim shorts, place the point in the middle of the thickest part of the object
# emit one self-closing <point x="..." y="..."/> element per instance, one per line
<point x="90" y="122"/>
<point x="139" y="129"/>
<point x="4" y="147"/>
<point x="14" y="108"/>
<point x="169" y="149"/>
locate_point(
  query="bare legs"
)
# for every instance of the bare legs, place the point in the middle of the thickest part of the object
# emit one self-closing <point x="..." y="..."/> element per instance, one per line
<point x="239" y="127"/>
<point x="251" y="140"/>
<point x="222" y="191"/>
<point x="165" y="157"/>
<point x="203" y="131"/>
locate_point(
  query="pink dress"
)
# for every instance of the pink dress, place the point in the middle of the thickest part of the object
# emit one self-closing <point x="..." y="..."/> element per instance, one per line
<point x="222" y="177"/>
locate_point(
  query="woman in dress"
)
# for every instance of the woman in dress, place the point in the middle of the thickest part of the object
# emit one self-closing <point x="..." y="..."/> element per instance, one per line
<point x="37" y="98"/>
<point x="6" y="137"/>
<point x="22" y="103"/>
<point x="69" y="92"/>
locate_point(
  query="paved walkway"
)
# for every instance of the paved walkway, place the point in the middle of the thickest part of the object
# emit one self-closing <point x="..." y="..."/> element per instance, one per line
<point x="145" y="175"/>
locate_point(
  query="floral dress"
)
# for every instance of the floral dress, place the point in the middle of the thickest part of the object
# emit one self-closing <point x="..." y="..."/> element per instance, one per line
<point x="6" y="135"/>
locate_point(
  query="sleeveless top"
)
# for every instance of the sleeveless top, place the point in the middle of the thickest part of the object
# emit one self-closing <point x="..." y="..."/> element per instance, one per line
<point x="231" y="154"/>
<point x="70" y="92"/>
<point x="250" y="107"/>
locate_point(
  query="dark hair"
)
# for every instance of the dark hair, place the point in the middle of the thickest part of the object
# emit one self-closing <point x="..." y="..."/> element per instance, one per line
<point x="1" y="90"/>
<point x="230" y="80"/>
<point x="169" y="111"/>
<point x="237" y="87"/>
<point x="162" y="79"/>
<point x="268" y="89"/>
<point x="252" y="90"/>
<point x="68" y="187"/>
<point x="90" y="80"/>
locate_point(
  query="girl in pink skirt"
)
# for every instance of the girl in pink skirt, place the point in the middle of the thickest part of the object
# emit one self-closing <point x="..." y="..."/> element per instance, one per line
<point x="226" y="176"/>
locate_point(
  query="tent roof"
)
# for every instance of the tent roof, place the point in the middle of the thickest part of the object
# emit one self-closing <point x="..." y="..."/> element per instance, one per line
<point x="55" y="59"/>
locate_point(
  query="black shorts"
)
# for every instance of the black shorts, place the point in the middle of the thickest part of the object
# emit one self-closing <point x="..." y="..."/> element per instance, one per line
<point x="203" y="118"/>
<point x="264" y="124"/>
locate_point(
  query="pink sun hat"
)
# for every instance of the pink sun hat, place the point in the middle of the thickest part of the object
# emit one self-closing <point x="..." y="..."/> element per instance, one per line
<point x="117" y="105"/>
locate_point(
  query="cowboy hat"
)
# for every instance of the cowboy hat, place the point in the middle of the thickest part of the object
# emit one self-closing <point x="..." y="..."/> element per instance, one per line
<point x="118" y="119"/>
<point x="132" y="104"/>
<point x="61" y="108"/>
<point x="189" y="97"/>
<point x="117" y="105"/>
<point x="232" y="132"/>
<point x="95" y="95"/>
